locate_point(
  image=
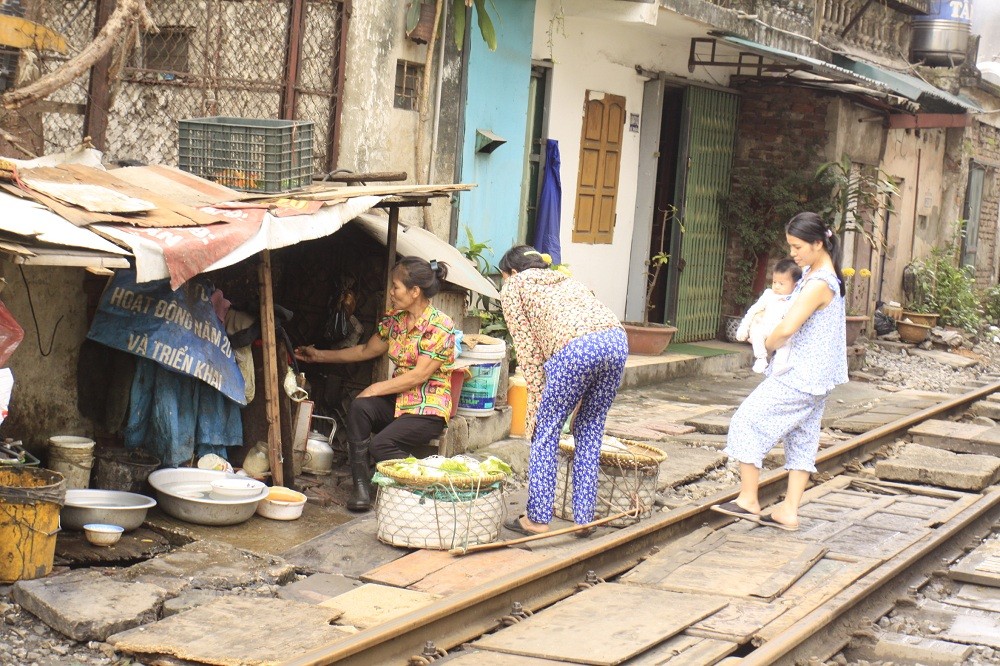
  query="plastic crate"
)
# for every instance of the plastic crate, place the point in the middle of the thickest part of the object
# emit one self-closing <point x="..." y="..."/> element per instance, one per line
<point x="250" y="154"/>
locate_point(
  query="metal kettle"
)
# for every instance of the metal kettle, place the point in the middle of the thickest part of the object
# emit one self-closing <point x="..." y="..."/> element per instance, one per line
<point x="319" y="449"/>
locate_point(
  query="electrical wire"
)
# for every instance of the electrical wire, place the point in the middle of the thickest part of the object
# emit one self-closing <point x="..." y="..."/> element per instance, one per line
<point x="34" y="318"/>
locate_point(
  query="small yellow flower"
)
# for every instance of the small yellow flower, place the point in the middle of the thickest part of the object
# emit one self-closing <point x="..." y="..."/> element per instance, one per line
<point x="564" y="269"/>
<point x="848" y="272"/>
<point x="865" y="273"/>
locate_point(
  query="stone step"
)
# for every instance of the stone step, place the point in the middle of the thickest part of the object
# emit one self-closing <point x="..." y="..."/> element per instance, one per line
<point x="923" y="464"/>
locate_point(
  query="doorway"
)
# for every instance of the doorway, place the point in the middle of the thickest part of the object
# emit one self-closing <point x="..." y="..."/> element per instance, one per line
<point x="685" y="154"/>
<point x="663" y="305"/>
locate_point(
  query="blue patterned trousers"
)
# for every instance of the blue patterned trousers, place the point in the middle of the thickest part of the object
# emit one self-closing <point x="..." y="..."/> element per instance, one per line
<point x="587" y="371"/>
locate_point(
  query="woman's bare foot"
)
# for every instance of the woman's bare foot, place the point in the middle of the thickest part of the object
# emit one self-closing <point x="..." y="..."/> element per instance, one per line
<point x="782" y="515"/>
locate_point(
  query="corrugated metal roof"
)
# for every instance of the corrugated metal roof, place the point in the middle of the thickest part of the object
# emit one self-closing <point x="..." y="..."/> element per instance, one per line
<point x="908" y="86"/>
<point x="819" y="66"/>
<point x="872" y="76"/>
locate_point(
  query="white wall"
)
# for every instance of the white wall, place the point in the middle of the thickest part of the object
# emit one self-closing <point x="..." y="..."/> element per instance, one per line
<point x="602" y="55"/>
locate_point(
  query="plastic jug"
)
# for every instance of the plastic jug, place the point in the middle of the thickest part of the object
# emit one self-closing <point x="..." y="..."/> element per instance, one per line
<point x="517" y="398"/>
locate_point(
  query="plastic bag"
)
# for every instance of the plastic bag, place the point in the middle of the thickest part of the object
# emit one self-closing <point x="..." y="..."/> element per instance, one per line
<point x="6" y="387"/>
<point x="11" y="334"/>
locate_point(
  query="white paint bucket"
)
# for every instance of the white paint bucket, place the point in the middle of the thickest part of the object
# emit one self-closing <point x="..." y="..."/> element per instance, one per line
<point x="73" y="457"/>
<point x="479" y="392"/>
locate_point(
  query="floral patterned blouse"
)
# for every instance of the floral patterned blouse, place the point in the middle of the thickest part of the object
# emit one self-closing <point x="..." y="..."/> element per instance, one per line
<point x="545" y="310"/>
<point x="818" y="356"/>
<point x="432" y="334"/>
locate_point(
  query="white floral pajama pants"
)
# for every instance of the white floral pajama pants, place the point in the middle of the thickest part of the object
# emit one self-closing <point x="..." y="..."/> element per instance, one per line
<point x="587" y="371"/>
<point x="772" y="413"/>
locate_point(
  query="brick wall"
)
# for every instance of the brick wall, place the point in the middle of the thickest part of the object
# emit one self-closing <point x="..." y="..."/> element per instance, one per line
<point x="986" y="151"/>
<point x="781" y="130"/>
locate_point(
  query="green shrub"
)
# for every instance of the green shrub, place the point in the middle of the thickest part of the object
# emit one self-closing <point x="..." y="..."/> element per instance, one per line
<point x="991" y="304"/>
<point x="947" y="289"/>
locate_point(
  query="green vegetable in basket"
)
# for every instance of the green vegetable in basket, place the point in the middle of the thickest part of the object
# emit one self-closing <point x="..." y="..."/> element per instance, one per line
<point x="494" y="465"/>
<point x="454" y="466"/>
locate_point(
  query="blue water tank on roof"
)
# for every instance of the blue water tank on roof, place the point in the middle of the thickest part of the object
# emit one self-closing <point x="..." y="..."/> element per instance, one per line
<point x="941" y="39"/>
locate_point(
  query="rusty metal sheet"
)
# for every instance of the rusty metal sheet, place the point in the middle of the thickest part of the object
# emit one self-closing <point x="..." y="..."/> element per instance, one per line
<point x="604" y="625"/>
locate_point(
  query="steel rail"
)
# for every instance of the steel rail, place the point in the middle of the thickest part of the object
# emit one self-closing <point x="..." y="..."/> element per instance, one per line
<point x="780" y="649"/>
<point x="467" y="615"/>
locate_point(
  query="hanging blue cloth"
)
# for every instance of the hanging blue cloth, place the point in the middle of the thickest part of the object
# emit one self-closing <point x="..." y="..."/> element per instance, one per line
<point x="549" y="205"/>
<point x="176" y="417"/>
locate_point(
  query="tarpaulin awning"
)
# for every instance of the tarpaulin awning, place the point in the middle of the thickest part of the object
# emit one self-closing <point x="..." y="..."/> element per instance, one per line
<point x="414" y="241"/>
<point x="180" y="253"/>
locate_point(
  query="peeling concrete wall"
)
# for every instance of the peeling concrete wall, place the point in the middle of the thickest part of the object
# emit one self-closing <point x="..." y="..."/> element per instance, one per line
<point x="376" y="136"/>
<point x="44" y="399"/>
<point x="915" y="159"/>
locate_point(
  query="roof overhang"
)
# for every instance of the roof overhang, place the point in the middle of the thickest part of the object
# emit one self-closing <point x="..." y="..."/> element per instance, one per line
<point x="904" y="90"/>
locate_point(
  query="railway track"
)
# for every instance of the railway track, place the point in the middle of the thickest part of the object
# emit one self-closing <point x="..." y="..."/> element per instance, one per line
<point x="466" y="616"/>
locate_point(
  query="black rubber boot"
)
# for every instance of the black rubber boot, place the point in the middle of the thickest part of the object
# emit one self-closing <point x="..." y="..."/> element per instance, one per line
<point x="361" y="475"/>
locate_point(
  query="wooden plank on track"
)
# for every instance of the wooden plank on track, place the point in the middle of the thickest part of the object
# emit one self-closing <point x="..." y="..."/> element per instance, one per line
<point x="489" y="658"/>
<point x="469" y="571"/>
<point x="738" y="621"/>
<point x="216" y="632"/>
<point x="730" y="565"/>
<point x="604" y="625"/>
<point x="826" y="579"/>
<point x="684" y="650"/>
<point x="981" y="566"/>
<point x="410" y="569"/>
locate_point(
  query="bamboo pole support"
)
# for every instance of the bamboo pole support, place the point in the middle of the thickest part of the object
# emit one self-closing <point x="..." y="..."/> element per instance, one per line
<point x="271" y="387"/>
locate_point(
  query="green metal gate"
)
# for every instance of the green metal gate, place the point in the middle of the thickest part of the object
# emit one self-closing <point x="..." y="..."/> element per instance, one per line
<point x="710" y="123"/>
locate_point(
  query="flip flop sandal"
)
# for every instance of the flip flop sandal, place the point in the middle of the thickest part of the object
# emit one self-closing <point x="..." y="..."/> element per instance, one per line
<point x="583" y="534"/>
<point x="514" y="525"/>
<point x="771" y="522"/>
<point x="735" y="510"/>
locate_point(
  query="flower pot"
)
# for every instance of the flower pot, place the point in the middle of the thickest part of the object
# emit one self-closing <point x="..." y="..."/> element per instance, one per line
<point x="731" y="324"/>
<point x="648" y="339"/>
<point x="912" y="333"/>
<point x="922" y="319"/>
<point x="854" y="324"/>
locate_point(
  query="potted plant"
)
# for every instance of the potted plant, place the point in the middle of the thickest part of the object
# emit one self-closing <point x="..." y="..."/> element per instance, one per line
<point x="649" y="338"/>
<point x="856" y="322"/>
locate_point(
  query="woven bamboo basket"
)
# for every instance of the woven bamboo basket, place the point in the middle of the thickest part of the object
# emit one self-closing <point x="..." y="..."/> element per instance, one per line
<point x="622" y="477"/>
<point x="413" y="518"/>
<point x="453" y="480"/>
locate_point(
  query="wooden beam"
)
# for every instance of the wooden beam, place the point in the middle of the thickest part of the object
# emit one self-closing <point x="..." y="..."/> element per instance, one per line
<point x="929" y="120"/>
<point x="271" y="386"/>
<point x="95" y="119"/>
<point x="390" y="251"/>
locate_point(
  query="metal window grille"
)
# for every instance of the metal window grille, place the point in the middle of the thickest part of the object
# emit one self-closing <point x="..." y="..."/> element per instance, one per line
<point x="8" y="67"/>
<point x="408" y="75"/>
<point x="166" y="50"/>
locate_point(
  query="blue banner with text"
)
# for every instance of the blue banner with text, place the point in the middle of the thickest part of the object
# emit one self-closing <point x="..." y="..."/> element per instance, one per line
<point x="177" y="329"/>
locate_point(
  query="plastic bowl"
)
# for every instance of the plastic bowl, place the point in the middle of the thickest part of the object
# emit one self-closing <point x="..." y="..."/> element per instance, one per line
<point x="103" y="535"/>
<point x="231" y="488"/>
<point x="282" y="504"/>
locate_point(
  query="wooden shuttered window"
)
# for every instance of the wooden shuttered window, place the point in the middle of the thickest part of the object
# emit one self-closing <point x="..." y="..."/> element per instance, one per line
<point x="600" y="162"/>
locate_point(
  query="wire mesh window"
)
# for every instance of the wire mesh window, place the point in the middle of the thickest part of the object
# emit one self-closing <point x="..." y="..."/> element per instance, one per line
<point x="166" y="50"/>
<point x="8" y="67"/>
<point x="408" y="76"/>
<point x="209" y="58"/>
